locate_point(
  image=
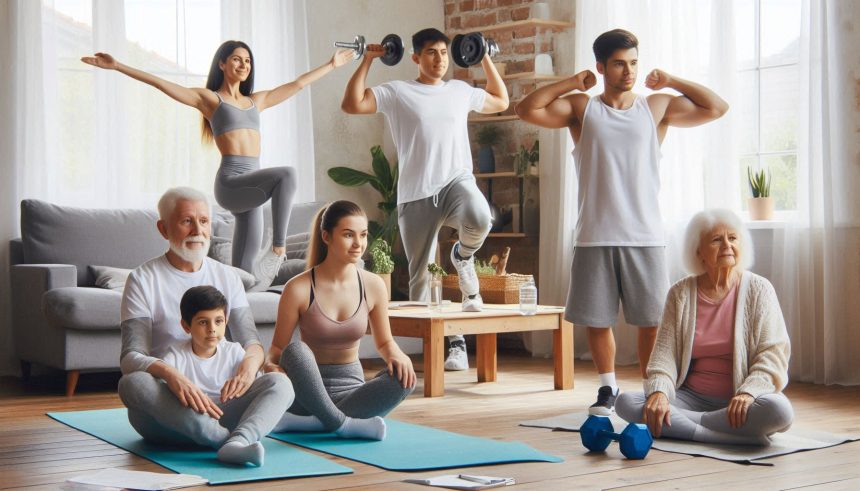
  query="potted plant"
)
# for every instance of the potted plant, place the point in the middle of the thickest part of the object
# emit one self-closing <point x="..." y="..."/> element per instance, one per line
<point x="761" y="204"/>
<point x="436" y="275"/>
<point x="382" y="263"/>
<point x="384" y="180"/>
<point x="526" y="159"/>
<point x="487" y="136"/>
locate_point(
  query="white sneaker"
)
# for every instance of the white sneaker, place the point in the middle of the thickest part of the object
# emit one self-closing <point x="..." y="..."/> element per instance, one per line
<point x="474" y="304"/>
<point x="468" y="279"/>
<point x="266" y="268"/>
<point x="457" y="359"/>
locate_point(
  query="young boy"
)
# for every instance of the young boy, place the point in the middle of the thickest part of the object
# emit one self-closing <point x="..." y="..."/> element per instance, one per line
<point x="209" y="362"/>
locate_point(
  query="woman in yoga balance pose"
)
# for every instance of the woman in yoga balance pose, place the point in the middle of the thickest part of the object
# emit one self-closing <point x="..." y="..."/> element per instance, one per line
<point x="231" y="117"/>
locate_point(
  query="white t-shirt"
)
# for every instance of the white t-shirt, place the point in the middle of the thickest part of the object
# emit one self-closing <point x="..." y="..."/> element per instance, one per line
<point x="154" y="290"/>
<point x="429" y="127"/>
<point x="618" y="169"/>
<point x="210" y="374"/>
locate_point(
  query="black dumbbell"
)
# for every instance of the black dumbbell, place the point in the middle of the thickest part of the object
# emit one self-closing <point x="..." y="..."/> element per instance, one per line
<point x="392" y="44"/>
<point x="597" y="433"/>
<point x="469" y="49"/>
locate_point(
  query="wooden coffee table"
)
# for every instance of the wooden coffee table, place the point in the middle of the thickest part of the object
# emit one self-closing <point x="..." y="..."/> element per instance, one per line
<point x="433" y="326"/>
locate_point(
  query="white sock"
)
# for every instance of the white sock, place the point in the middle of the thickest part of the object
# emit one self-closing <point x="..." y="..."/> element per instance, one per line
<point x="295" y="422"/>
<point x="609" y="379"/>
<point x="236" y="451"/>
<point x="368" y="429"/>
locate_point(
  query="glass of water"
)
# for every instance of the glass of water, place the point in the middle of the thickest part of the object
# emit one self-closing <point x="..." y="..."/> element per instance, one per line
<point x="436" y="292"/>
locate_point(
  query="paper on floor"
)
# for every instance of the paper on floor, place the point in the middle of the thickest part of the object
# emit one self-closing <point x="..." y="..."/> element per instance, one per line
<point x="464" y="481"/>
<point x="126" y="479"/>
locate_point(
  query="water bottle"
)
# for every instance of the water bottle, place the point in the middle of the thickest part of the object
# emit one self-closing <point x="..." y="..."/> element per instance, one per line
<point x="528" y="297"/>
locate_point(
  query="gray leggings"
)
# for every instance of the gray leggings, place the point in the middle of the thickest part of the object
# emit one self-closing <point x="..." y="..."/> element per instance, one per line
<point x="459" y="205"/>
<point x="333" y="392"/>
<point x="158" y="416"/>
<point x="242" y="188"/>
<point x="768" y="414"/>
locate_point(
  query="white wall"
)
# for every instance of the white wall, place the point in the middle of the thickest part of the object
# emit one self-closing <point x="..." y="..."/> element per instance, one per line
<point x="341" y="139"/>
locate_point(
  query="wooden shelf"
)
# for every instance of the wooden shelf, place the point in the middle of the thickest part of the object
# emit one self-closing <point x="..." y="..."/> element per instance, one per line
<point x="486" y="119"/>
<point x="490" y="175"/>
<point x="527" y="76"/>
<point x="510" y="235"/>
<point x="554" y="24"/>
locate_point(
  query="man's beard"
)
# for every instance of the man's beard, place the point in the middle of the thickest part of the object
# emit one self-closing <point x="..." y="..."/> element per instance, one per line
<point x="195" y="256"/>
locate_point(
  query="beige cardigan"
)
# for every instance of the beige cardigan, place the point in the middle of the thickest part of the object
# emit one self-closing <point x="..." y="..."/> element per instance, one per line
<point x="761" y="344"/>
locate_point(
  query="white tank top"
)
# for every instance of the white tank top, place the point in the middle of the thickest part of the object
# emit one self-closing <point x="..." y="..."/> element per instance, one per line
<point x="617" y="165"/>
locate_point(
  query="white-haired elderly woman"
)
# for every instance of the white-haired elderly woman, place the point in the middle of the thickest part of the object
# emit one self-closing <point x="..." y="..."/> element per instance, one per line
<point x="721" y="359"/>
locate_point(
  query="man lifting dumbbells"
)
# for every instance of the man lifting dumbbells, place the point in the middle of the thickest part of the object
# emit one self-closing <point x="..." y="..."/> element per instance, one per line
<point x="428" y="121"/>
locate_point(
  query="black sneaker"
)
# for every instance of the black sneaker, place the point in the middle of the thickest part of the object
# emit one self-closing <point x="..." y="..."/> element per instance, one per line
<point x="605" y="404"/>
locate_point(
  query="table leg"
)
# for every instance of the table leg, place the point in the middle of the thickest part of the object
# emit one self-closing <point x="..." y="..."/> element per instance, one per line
<point x="434" y="359"/>
<point x="486" y="357"/>
<point x="562" y="352"/>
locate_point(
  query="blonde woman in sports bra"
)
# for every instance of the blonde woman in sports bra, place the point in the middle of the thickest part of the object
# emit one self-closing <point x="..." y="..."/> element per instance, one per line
<point x="332" y="304"/>
<point x="231" y="118"/>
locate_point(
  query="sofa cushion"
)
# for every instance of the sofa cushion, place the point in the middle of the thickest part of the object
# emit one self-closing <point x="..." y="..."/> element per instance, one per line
<point x="110" y="278"/>
<point x="79" y="236"/>
<point x="82" y="308"/>
<point x="289" y="268"/>
<point x="264" y="307"/>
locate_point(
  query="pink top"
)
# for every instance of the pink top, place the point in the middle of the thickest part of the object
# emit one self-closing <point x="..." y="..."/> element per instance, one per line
<point x="320" y="331"/>
<point x="711" y="365"/>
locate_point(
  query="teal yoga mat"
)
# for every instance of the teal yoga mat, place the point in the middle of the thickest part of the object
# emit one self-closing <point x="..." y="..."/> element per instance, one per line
<point x="282" y="461"/>
<point x="409" y="447"/>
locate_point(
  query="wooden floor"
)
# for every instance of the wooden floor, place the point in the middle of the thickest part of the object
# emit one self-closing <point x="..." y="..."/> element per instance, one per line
<point x="39" y="453"/>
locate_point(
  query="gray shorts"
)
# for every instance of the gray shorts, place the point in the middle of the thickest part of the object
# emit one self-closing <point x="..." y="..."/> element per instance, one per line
<point x="600" y="277"/>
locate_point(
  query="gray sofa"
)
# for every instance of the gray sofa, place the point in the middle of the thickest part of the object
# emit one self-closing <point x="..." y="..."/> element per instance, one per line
<point x="61" y="319"/>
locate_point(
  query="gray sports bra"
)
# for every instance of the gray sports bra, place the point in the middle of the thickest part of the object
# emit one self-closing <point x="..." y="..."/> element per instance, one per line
<point x="228" y="117"/>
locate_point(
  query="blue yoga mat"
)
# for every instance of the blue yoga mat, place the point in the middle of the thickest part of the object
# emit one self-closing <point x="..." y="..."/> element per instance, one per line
<point x="409" y="447"/>
<point x="282" y="461"/>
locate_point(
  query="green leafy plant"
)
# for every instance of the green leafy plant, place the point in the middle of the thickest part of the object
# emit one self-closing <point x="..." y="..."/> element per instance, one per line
<point x="759" y="183"/>
<point x="525" y="157"/>
<point x="380" y="254"/>
<point x="484" y="268"/>
<point x="384" y="180"/>
<point x="436" y="270"/>
<point x="489" y="135"/>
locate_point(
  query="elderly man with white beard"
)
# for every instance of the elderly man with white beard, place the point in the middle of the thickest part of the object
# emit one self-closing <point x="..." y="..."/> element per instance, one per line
<point x="164" y="405"/>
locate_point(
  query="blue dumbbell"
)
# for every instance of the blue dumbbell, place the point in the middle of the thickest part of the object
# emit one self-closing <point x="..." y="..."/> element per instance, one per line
<point x="597" y="433"/>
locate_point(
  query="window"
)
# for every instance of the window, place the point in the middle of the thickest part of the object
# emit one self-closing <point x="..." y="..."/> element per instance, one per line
<point x="126" y="136"/>
<point x="768" y="56"/>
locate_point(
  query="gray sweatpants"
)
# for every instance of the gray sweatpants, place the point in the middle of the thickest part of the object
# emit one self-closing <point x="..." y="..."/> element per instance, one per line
<point x="768" y="414"/>
<point x="242" y="188"/>
<point x="158" y="416"/>
<point x="459" y="205"/>
<point x="333" y="392"/>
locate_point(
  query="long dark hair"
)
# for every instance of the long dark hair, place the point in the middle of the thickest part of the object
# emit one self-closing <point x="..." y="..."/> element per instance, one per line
<point x="327" y="219"/>
<point x="216" y="78"/>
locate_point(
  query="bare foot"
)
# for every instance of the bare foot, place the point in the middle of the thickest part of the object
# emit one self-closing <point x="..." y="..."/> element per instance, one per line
<point x="279" y="251"/>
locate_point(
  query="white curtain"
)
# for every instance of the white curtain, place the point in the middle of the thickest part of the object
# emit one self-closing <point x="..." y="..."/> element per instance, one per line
<point x="79" y="136"/>
<point x="812" y="257"/>
<point x="816" y="263"/>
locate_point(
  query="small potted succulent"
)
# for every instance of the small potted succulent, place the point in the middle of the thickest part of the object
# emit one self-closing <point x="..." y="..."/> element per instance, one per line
<point x="487" y="136"/>
<point x="761" y="204"/>
<point x="383" y="264"/>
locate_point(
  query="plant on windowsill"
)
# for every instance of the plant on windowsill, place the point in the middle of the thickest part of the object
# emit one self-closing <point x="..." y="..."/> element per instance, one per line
<point x="382" y="263"/>
<point x="487" y="136"/>
<point x="761" y="204"/>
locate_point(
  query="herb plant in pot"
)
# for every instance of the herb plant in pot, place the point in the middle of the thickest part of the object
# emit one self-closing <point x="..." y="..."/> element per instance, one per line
<point x="487" y="136"/>
<point x="382" y="263"/>
<point x="761" y="204"/>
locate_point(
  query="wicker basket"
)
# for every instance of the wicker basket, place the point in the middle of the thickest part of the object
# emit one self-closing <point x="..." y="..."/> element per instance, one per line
<point x="494" y="288"/>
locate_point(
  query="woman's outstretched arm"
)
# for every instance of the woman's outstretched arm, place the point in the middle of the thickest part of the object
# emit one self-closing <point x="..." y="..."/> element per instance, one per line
<point x="200" y="99"/>
<point x="398" y="363"/>
<point x="268" y="98"/>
